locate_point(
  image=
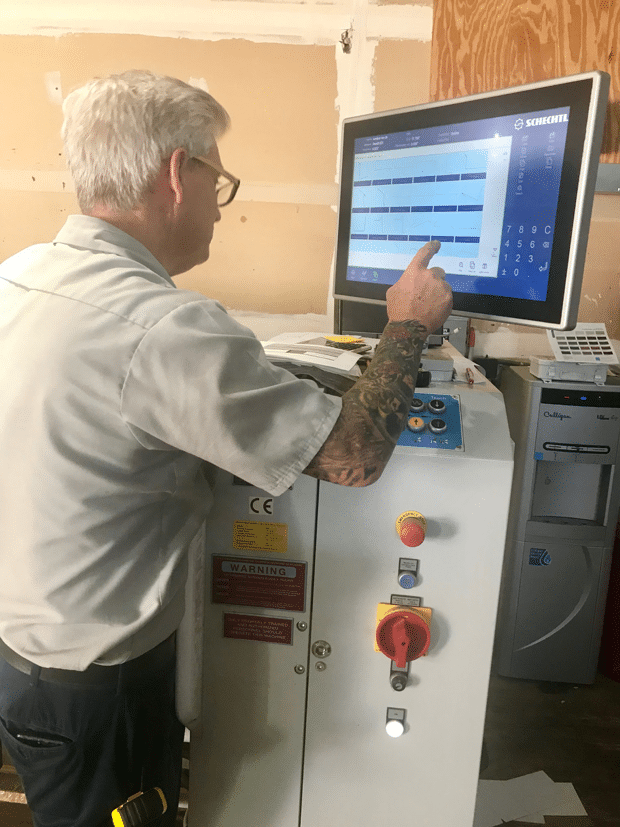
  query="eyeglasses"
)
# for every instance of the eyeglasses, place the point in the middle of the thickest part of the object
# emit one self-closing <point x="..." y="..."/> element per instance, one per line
<point x="226" y="185"/>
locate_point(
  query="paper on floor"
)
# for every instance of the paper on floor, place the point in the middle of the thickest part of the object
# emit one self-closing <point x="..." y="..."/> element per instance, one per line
<point x="528" y="798"/>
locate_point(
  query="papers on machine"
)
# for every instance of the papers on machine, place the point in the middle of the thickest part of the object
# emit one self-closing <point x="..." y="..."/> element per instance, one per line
<point x="311" y="349"/>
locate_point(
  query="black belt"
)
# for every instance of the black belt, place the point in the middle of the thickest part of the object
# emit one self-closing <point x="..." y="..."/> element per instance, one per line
<point x="96" y="674"/>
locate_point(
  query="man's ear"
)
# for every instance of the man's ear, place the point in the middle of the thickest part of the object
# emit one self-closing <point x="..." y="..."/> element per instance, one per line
<point x="176" y="168"/>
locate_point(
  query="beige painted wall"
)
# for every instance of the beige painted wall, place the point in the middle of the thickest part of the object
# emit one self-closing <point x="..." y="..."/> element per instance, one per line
<point x="402" y="72"/>
<point x="272" y="251"/>
<point x="267" y="256"/>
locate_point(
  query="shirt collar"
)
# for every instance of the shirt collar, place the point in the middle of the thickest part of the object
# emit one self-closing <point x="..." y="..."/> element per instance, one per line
<point x="92" y="233"/>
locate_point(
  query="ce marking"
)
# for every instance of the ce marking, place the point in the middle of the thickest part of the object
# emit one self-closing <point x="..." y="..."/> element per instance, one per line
<point x="261" y="505"/>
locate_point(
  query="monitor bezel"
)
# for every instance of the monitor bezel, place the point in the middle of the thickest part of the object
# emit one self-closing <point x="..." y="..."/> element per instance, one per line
<point x="586" y="93"/>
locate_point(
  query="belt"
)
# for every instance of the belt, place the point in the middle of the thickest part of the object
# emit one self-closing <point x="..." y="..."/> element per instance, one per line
<point x="96" y="674"/>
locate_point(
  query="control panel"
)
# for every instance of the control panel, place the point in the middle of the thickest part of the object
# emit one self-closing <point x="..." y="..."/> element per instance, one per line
<point x="434" y="422"/>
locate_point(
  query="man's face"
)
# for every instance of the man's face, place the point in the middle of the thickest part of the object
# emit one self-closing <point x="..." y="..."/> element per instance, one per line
<point x="198" y="212"/>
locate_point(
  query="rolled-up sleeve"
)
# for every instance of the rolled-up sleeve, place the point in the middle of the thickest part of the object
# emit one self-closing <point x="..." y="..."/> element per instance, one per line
<point x="200" y="382"/>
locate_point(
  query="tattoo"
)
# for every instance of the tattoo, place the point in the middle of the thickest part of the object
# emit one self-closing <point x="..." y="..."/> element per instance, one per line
<point x="374" y="410"/>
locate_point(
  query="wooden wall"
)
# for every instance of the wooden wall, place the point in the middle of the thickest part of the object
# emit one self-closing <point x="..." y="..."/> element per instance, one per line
<point x="480" y="45"/>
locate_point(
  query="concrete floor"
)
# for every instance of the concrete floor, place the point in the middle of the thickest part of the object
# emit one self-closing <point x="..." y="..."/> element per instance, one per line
<point x="571" y="732"/>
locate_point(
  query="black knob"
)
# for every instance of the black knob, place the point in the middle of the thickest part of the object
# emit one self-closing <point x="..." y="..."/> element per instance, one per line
<point x="436" y="406"/>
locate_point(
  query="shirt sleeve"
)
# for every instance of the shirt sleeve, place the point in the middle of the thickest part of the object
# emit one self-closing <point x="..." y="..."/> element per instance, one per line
<point x="200" y="382"/>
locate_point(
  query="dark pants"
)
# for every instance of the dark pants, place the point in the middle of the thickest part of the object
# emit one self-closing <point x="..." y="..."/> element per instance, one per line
<point x="95" y="746"/>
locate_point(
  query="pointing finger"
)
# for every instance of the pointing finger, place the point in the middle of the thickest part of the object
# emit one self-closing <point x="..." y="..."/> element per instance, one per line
<point x="425" y="254"/>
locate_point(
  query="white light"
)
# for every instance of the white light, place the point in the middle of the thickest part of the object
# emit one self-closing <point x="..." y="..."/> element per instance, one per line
<point x="394" y="728"/>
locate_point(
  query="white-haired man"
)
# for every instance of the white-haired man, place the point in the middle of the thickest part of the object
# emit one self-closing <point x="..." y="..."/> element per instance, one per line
<point x="120" y="392"/>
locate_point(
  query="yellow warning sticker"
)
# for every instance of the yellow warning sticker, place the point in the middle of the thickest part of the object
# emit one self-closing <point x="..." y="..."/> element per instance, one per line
<point x="260" y="536"/>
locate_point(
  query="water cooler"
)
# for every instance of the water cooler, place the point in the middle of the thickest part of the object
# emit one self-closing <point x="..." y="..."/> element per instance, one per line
<point x="340" y="639"/>
<point x="563" y="515"/>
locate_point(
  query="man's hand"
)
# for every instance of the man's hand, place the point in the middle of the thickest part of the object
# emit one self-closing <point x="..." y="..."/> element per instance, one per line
<point x="421" y="294"/>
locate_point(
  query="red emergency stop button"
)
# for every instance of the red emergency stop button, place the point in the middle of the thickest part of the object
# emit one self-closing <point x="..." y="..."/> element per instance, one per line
<point x="411" y="528"/>
<point x="403" y="635"/>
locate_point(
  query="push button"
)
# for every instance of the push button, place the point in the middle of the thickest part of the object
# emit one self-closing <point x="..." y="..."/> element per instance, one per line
<point x="411" y="528"/>
<point x="416" y="424"/>
<point x="437" y="426"/>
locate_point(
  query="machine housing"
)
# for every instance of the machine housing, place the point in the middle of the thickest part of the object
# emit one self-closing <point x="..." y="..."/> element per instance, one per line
<point x="291" y="702"/>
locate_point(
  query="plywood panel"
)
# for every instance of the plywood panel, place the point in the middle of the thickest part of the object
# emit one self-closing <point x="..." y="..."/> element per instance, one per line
<point x="489" y="44"/>
<point x="401" y="73"/>
<point x="272" y="258"/>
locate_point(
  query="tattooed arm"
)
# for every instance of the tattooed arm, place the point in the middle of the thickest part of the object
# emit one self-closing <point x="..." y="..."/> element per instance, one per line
<point x="375" y="409"/>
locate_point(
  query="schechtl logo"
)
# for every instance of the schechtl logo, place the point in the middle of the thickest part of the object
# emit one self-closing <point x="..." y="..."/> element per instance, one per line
<point x="520" y="123"/>
<point x="547" y="120"/>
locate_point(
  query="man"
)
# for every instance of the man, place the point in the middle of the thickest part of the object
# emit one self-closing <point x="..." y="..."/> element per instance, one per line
<point x="120" y="394"/>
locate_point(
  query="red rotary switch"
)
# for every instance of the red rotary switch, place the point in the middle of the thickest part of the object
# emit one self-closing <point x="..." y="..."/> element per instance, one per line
<point x="403" y="635"/>
<point x="411" y="527"/>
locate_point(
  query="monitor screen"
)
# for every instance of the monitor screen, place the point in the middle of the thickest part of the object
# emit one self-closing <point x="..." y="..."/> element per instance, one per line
<point x="505" y="180"/>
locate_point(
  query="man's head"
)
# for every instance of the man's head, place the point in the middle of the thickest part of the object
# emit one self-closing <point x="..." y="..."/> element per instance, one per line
<point x="118" y="130"/>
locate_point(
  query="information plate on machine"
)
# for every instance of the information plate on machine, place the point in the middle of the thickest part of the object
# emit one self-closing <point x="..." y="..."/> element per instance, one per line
<point x="257" y="536"/>
<point x="265" y="584"/>
<point x="258" y="627"/>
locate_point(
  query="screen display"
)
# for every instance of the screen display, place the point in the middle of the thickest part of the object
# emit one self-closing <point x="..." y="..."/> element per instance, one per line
<point x="499" y="180"/>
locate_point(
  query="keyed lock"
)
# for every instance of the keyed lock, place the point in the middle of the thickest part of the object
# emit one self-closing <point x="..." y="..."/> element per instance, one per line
<point x="321" y="649"/>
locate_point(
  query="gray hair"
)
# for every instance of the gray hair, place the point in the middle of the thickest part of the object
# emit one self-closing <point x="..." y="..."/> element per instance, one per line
<point x="118" y="130"/>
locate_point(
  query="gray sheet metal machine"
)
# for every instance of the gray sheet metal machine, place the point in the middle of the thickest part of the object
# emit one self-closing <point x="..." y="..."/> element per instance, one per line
<point x="564" y="509"/>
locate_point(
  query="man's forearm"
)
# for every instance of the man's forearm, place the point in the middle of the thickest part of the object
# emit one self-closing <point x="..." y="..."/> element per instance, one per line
<point x="374" y="410"/>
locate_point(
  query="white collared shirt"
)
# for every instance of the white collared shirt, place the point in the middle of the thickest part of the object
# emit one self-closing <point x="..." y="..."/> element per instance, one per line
<point x="115" y="387"/>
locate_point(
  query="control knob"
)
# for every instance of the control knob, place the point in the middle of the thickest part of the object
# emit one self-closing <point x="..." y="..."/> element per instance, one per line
<point x="403" y="635"/>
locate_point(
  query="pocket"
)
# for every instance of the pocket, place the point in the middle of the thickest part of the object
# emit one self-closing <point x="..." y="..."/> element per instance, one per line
<point x="34" y="738"/>
<point x="43" y="740"/>
<point x="45" y="762"/>
<point x="32" y="751"/>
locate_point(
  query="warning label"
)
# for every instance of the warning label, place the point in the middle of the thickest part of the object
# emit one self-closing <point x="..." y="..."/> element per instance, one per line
<point x="266" y="584"/>
<point x="260" y="536"/>
<point x="256" y="627"/>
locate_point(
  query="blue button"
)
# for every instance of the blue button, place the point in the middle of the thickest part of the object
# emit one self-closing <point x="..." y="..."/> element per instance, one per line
<point x="406" y="580"/>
